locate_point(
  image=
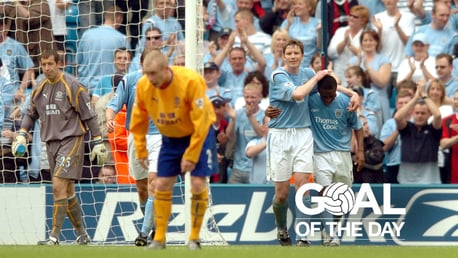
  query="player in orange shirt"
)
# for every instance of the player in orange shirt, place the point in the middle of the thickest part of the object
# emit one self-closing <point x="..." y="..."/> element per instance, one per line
<point x="174" y="98"/>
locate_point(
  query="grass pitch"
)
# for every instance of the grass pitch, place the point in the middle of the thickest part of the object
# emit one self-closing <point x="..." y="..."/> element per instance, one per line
<point x="236" y="251"/>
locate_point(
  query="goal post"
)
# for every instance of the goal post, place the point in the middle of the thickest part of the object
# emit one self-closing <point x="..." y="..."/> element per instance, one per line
<point x="112" y="213"/>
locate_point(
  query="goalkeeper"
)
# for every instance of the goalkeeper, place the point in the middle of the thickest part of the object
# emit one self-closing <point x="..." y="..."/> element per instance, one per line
<point x="64" y="108"/>
<point x="174" y="98"/>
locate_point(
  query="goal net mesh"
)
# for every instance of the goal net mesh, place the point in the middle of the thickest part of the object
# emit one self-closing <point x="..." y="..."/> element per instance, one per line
<point x="111" y="212"/>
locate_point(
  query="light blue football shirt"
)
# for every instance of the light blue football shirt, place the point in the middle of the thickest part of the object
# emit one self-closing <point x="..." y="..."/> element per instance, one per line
<point x="332" y="124"/>
<point x="125" y="95"/>
<point x="104" y="86"/>
<point x="15" y="58"/>
<point x="295" y="114"/>
<point x="95" y="54"/>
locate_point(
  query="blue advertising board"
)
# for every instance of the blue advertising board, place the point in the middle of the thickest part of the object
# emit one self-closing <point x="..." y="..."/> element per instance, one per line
<point x="382" y="215"/>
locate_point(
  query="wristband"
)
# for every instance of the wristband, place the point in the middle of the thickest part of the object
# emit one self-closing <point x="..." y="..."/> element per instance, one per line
<point x="97" y="140"/>
<point x="22" y="132"/>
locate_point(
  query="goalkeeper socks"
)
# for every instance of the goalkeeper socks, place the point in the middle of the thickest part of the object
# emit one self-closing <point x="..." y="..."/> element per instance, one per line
<point x="149" y="216"/>
<point x="301" y="217"/>
<point x="280" y="213"/>
<point x="163" y="208"/>
<point x="58" y="217"/>
<point x="199" y="203"/>
<point x="74" y="214"/>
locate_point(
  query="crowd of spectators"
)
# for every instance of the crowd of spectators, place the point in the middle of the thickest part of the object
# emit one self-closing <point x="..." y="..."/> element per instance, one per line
<point x="397" y="55"/>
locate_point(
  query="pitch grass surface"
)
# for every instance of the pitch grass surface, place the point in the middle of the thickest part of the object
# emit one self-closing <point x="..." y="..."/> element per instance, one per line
<point x="236" y="251"/>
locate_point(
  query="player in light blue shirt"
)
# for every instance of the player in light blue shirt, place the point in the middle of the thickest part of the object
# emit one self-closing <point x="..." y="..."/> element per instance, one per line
<point x="292" y="115"/>
<point x="289" y="141"/>
<point x="332" y="126"/>
<point x="125" y="95"/>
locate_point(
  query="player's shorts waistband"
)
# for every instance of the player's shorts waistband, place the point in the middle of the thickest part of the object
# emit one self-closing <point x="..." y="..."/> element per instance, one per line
<point x="291" y="130"/>
<point x="176" y="139"/>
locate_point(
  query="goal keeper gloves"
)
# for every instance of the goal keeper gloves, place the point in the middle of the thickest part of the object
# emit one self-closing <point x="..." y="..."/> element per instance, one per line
<point x="19" y="145"/>
<point x="99" y="152"/>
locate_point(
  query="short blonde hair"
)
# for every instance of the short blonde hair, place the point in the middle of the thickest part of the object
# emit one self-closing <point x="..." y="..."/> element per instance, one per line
<point x="278" y="33"/>
<point x="253" y="86"/>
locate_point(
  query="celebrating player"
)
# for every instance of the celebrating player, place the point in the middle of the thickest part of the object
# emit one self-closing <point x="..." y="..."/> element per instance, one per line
<point x="290" y="143"/>
<point x="332" y="126"/>
<point x="290" y="89"/>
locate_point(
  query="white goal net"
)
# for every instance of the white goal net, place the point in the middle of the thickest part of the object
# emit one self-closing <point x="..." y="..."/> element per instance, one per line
<point x="111" y="211"/>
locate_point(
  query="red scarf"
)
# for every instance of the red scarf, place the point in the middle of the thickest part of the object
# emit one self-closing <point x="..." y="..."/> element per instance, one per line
<point x="336" y="21"/>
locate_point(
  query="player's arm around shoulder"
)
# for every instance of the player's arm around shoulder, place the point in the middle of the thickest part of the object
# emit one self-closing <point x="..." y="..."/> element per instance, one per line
<point x="303" y="90"/>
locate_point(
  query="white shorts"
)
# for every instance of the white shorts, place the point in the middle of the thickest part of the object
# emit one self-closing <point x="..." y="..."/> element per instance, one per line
<point x="332" y="167"/>
<point x="153" y="145"/>
<point x="288" y="151"/>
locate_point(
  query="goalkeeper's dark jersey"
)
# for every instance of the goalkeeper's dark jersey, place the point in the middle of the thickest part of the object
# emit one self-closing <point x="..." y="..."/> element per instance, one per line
<point x="63" y="107"/>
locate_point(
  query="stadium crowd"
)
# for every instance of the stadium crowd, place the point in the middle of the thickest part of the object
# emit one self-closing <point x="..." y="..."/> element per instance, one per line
<point x="397" y="55"/>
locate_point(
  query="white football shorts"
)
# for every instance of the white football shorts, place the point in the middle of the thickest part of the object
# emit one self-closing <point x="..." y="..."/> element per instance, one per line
<point x="289" y="150"/>
<point x="332" y="167"/>
<point x="153" y="145"/>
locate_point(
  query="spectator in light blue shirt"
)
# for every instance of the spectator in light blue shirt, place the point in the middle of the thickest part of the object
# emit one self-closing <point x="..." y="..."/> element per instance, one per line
<point x="444" y="71"/>
<point x="7" y="89"/>
<point x="303" y="26"/>
<point x="164" y="20"/>
<point x="153" y="38"/>
<point x="439" y="34"/>
<point x="233" y="79"/>
<point x="122" y="58"/>
<point x="245" y="125"/>
<point x="95" y="49"/>
<point x="15" y="58"/>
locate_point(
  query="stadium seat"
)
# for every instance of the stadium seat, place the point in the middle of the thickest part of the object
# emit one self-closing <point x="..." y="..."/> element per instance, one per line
<point x="72" y="21"/>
